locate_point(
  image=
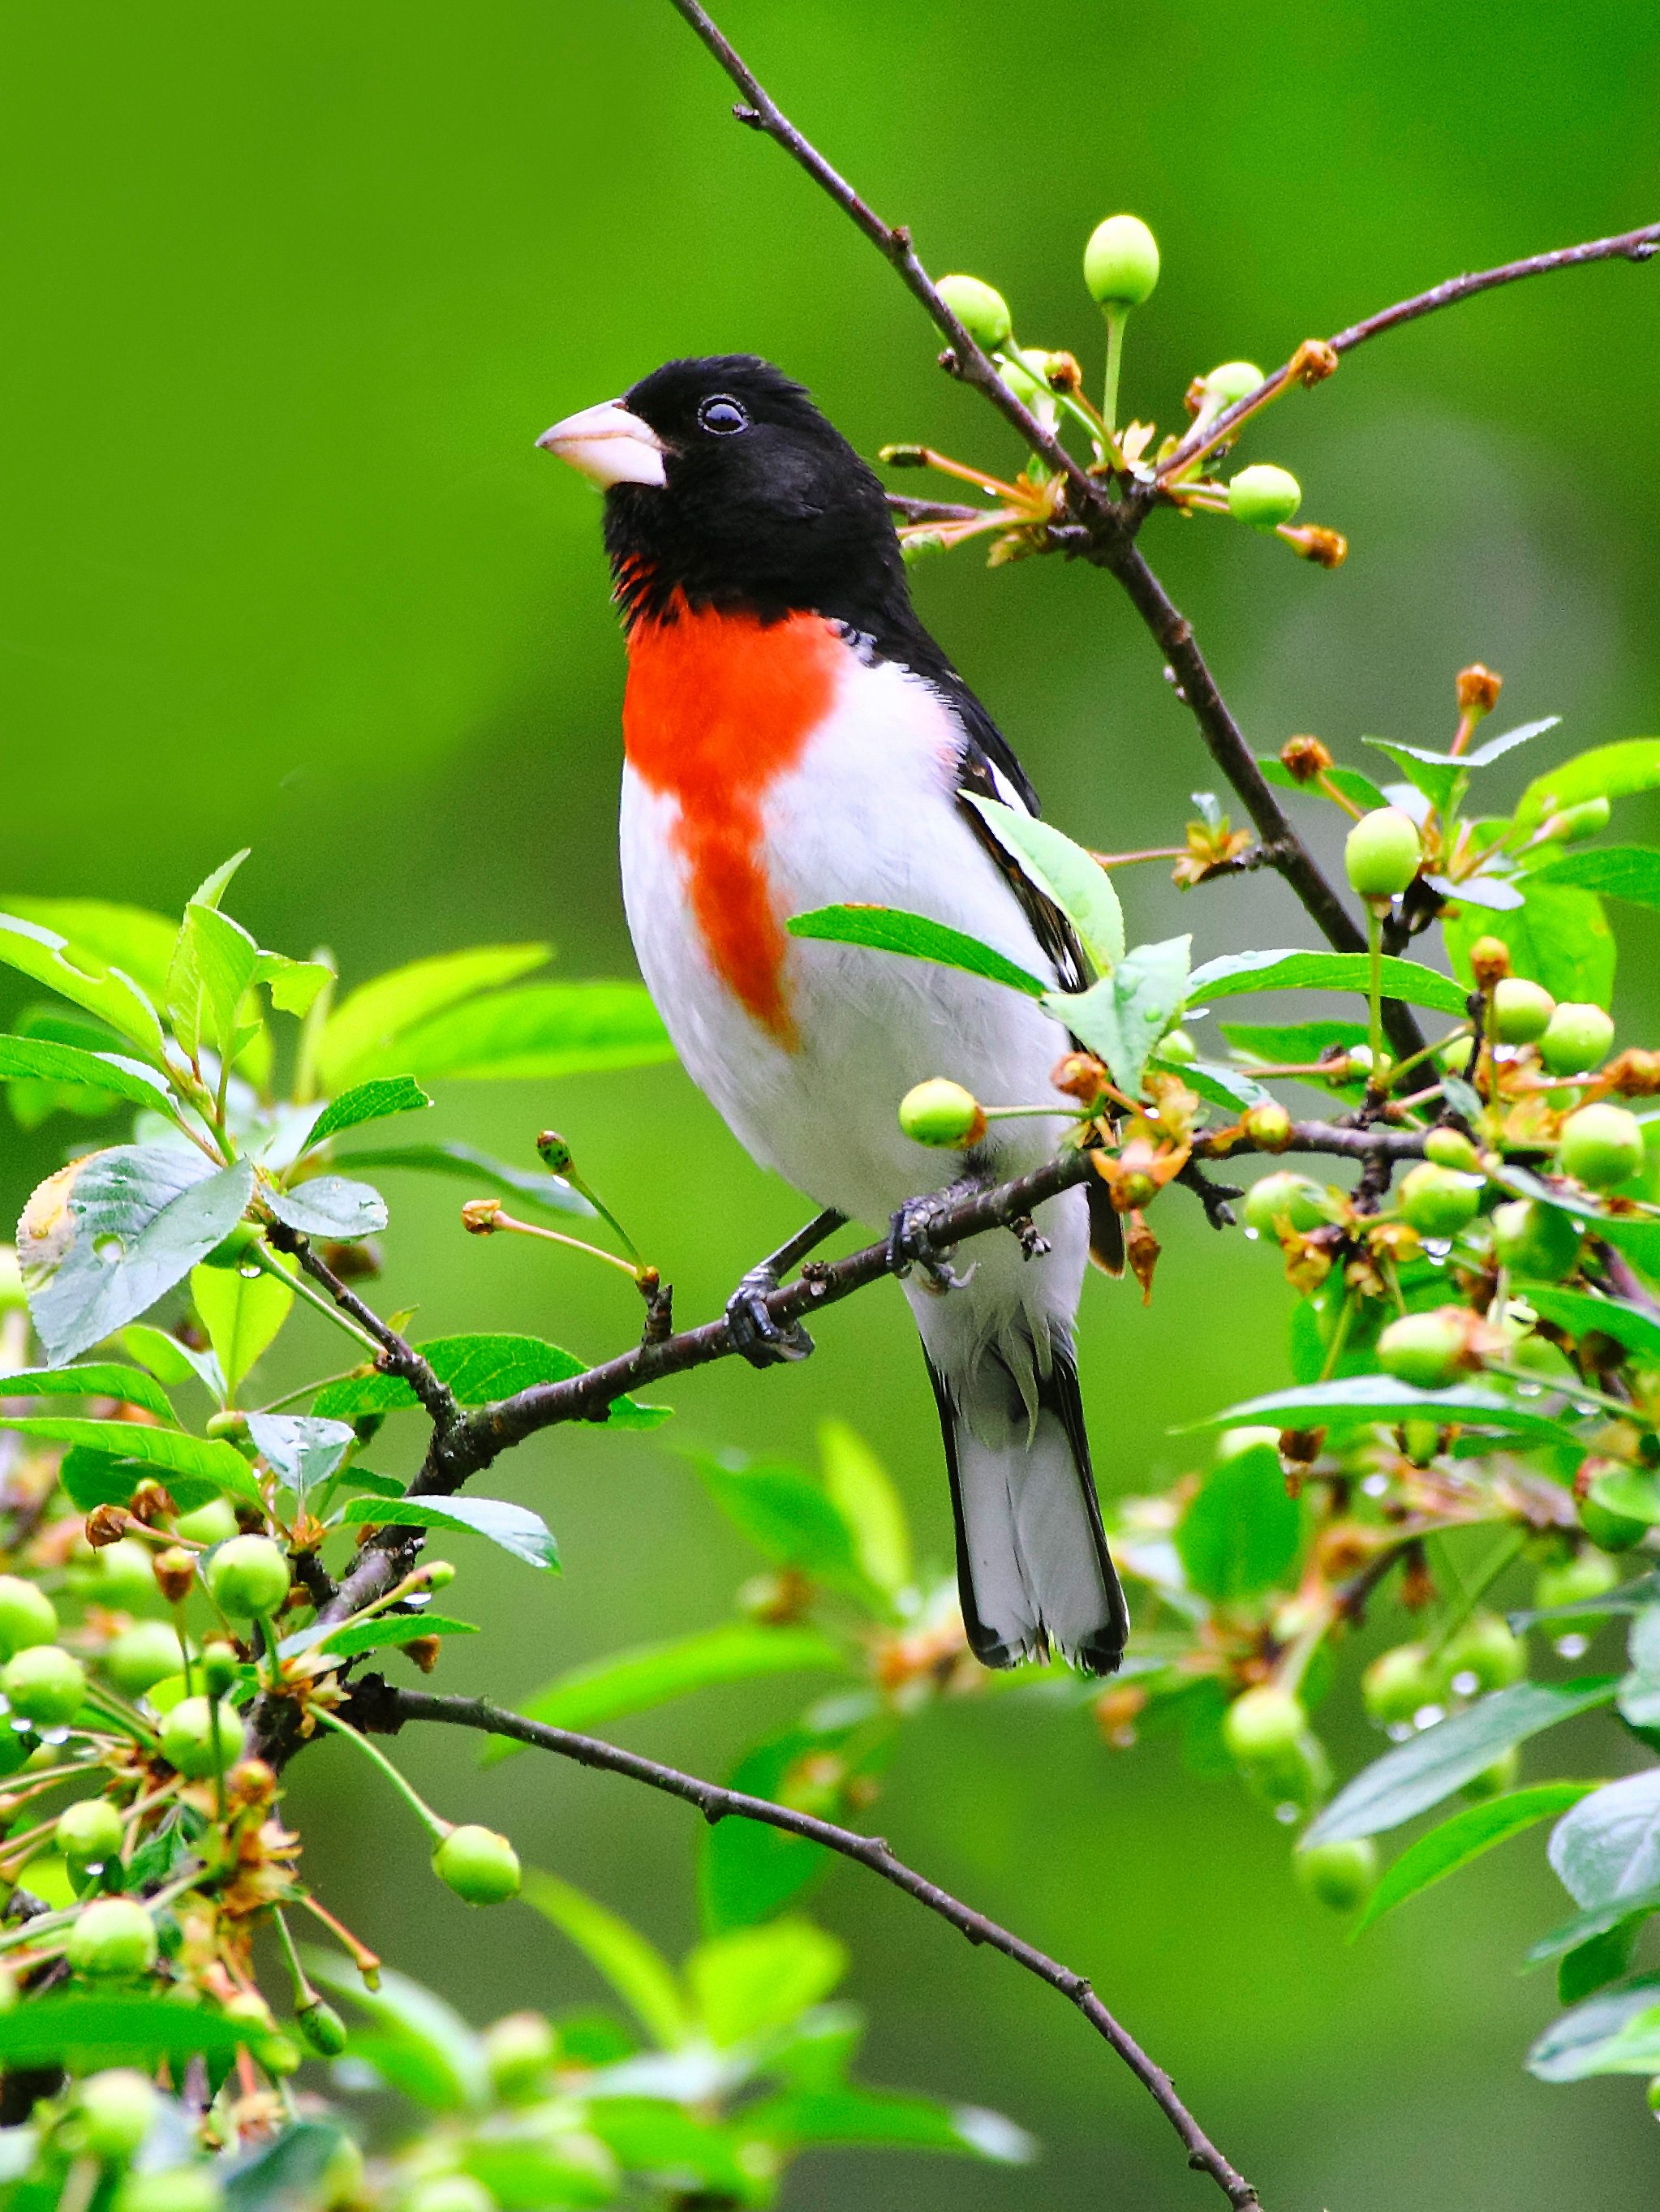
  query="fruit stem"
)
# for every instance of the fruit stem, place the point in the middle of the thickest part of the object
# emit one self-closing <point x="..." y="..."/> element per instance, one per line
<point x="1374" y="989"/>
<point x="302" y="1289"/>
<point x="1428" y="1052"/>
<point x="1116" y="318"/>
<point x="437" y="1828"/>
<point x="304" y="1993"/>
<point x="630" y="1269"/>
<point x="367" y="1962"/>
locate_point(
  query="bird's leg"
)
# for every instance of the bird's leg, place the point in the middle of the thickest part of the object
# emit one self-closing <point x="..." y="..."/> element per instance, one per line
<point x="754" y="1332"/>
<point x="910" y="1239"/>
<point x="1213" y="1196"/>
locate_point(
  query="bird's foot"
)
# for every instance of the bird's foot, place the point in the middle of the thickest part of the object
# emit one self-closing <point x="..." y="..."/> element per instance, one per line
<point x="754" y="1332"/>
<point x="910" y="1243"/>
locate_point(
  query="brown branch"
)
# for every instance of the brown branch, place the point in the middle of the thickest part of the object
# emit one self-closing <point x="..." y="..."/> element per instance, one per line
<point x="385" y="1710"/>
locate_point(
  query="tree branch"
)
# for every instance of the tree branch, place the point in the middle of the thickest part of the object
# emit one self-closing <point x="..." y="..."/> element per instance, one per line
<point x="385" y="1710"/>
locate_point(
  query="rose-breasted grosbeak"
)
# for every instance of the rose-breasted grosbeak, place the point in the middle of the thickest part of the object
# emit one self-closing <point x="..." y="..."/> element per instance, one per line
<point x="795" y="738"/>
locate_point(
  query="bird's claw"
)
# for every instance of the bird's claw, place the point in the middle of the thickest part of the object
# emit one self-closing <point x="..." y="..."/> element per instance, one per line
<point x="755" y="1333"/>
<point x="910" y="1244"/>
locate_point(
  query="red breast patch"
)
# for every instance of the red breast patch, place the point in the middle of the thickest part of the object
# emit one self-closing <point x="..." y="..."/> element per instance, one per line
<point x="718" y="705"/>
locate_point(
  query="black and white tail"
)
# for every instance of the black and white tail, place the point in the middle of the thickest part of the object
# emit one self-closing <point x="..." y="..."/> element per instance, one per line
<point x="1032" y="1565"/>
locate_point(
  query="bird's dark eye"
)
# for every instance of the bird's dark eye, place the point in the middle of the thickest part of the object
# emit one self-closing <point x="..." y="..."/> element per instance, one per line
<point x="723" y="416"/>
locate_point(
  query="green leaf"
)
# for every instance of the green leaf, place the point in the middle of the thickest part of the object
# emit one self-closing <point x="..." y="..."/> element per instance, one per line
<point x="366" y="1102"/>
<point x="131" y="1223"/>
<point x="1408" y="980"/>
<point x="1442" y="779"/>
<point x="363" y="1028"/>
<point x="745" y="1870"/>
<point x="638" y="1972"/>
<point x="387" y="1633"/>
<point x="788" y="1517"/>
<point x="1560" y="939"/>
<point x="210" y="1459"/>
<point x="77" y="974"/>
<point x="1616" y="2032"/>
<point x="1466" y="1836"/>
<point x="90" y="1479"/>
<point x="1622" y="871"/>
<point x="537" y="1032"/>
<point x="1123" y="1015"/>
<point x="1583" y="1926"/>
<point x="169" y="1361"/>
<point x="126" y="936"/>
<point x="293" y="985"/>
<point x="1607" y="1850"/>
<point x="478" y="1368"/>
<point x="212" y="970"/>
<point x="1229" y="1088"/>
<point x="700" y="2158"/>
<point x="1358" y="789"/>
<point x="1291" y="1043"/>
<point x="99" y="1379"/>
<point x="241" y="1314"/>
<point x="284" y="2174"/>
<point x="1074" y="879"/>
<point x="299" y="1449"/>
<point x="890" y="929"/>
<point x="1639" y="1692"/>
<point x="1242" y="1532"/>
<point x="455" y="2071"/>
<point x="753" y="1981"/>
<point x="1368" y="1398"/>
<point x="1430" y="1767"/>
<point x="598" y="1691"/>
<point x="41" y="1059"/>
<point x="330" y="1206"/>
<point x="862" y="1493"/>
<point x="887" y="2119"/>
<point x="87" y="2032"/>
<point x="515" y="1528"/>
<point x="468" y="1164"/>
<point x="1492" y="894"/>
<point x="1608" y="772"/>
<point x="1579" y="1313"/>
<point x="1483" y="756"/>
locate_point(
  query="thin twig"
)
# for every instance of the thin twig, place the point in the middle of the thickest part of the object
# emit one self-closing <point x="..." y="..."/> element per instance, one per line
<point x="388" y="1709"/>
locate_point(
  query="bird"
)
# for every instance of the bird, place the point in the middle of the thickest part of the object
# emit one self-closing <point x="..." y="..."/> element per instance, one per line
<point x="795" y="738"/>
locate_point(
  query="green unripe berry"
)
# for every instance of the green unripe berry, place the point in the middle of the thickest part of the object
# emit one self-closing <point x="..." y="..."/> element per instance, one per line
<point x="1540" y="1242"/>
<point x="1178" y="1048"/>
<point x="1455" y="1057"/>
<point x="187" y="1737"/>
<point x="1587" y="1576"/>
<point x="343" y="2183"/>
<point x="1487" y="1648"/>
<point x="113" y="1940"/>
<point x="1584" y="820"/>
<point x="212" y="1523"/>
<point x="1427" y="1350"/>
<point x="1601" y="1145"/>
<point x="1609" y="1531"/>
<point x="44" y="1684"/>
<point x="90" y="1832"/>
<point x="477" y="1864"/>
<point x="1521" y="1010"/>
<point x="180" y="2189"/>
<point x="1341" y="1875"/>
<point x="280" y="2056"/>
<point x="1286" y="1197"/>
<point x="142" y="1656"/>
<point x="322" y="2028"/>
<point x="121" y="1576"/>
<point x="980" y="308"/>
<point x="1231" y="382"/>
<point x="28" y="1616"/>
<point x="1264" y="495"/>
<point x="438" y="1574"/>
<point x="1263" y="1725"/>
<point x="1015" y="371"/>
<point x="519" y="2050"/>
<point x="1436" y="1201"/>
<point x="942" y="1113"/>
<point x="1120" y="263"/>
<point x="220" y="1667"/>
<point x="1267" y="1126"/>
<point x="247" y="2008"/>
<point x="116" y="2111"/>
<point x="248" y="1577"/>
<point x="449" y="2192"/>
<point x="1496" y="1780"/>
<point x="1451" y="1148"/>
<point x="1398" y="1684"/>
<point x="1382" y="853"/>
<point x="1577" y="1037"/>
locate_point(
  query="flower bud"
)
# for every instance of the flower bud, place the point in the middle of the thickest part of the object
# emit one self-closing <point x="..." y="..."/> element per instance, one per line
<point x="142" y="1656"/>
<point x="1451" y="1148"/>
<point x="248" y="1577"/>
<point x="250" y="1783"/>
<point x="44" y="1684"/>
<point x="1478" y="689"/>
<point x="555" y="1152"/>
<point x="1382" y="853"/>
<point x="1263" y="1724"/>
<point x="981" y="309"/>
<point x="89" y="1832"/>
<point x="187" y="1737"/>
<point x="1311" y="541"/>
<point x="113" y="1940"/>
<point x="1304" y="758"/>
<point x="477" y="1864"/>
<point x="1489" y="961"/>
<point x="481" y="1217"/>
<point x="1535" y="1241"/>
<point x="1427" y="1350"/>
<point x="1120" y="263"/>
<point x="28" y="1615"/>
<point x="1436" y="1201"/>
<point x="1577" y="1037"/>
<point x="1341" y="1875"/>
<point x="322" y="2028"/>
<point x="1287" y="1198"/>
<point x="1601" y="1145"/>
<point x="1263" y="495"/>
<point x="114" y="2112"/>
<point x="1521" y="1010"/>
<point x="1267" y="1126"/>
<point x="1399" y="1683"/>
<point x="175" y="1573"/>
<point x="941" y="1113"/>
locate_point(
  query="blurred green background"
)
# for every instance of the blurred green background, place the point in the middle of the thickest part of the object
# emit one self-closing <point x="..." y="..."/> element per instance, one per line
<point x="291" y="290"/>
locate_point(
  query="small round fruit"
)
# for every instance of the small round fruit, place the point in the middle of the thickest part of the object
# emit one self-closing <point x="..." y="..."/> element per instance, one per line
<point x="113" y="1941"/>
<point x="187" y="1737"/>
<point x="142" y="1656"/>
<point x="1495" y="1781"/>
<point x="1451" y="1148"/>
<point x="247" y="2008"/>
<point x="1263" y="1725"/>
<point x="1455" y="1057"/>
<point x="220" y="1667"/>
<point x="248" y="1577"/>
<point x="1609" y="1531"/>
<point x="1285" y="1197"/>
<point x="44" y="1684"/>
<point x="1586" y="1577"/>
<point x="322" y="2028"/>
<point x="1231" y="382"/>
<point x="449" y="2192"/>
<point x="1178" y="1048"/>
<point x="1382" y="853"/>
<point x="116" y="2109"/>
<point x="477" y="1864"/>
<point x="980" y="308"/>
<point x="212" y="1523"/>
<point x="519" y="2050"/>
<point x="1264" y="496"/>
<point x="1120" y="262"/>
<point x="942" y="1113"/>
<point x="1487" y="1648"/>
<point x="1521" y="1010"/>
<point x="89" y="1832"/>
<point x="1427" y="1350"/>
<point x="1601" y="1145"/>
<point x="1577" y="1037"/>
<point x="1341" y="1875"/>
<point x="28" y="1616"/>
<point x="1540" y="1242"/>
<point x="121" y="1578"/>
<point x="342" y="2188"/>
<point x="1267" y="1126"/>
<point x="1436" y="1201"/>
<point x="280" y="2055"/>
<point x="1398" y="1684"/>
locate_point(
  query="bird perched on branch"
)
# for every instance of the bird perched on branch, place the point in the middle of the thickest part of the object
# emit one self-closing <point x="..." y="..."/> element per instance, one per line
<point x="795" y="738"/>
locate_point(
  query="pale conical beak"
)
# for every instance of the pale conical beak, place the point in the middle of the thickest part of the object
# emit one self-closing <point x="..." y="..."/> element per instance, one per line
<point x="609" y="446"/>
